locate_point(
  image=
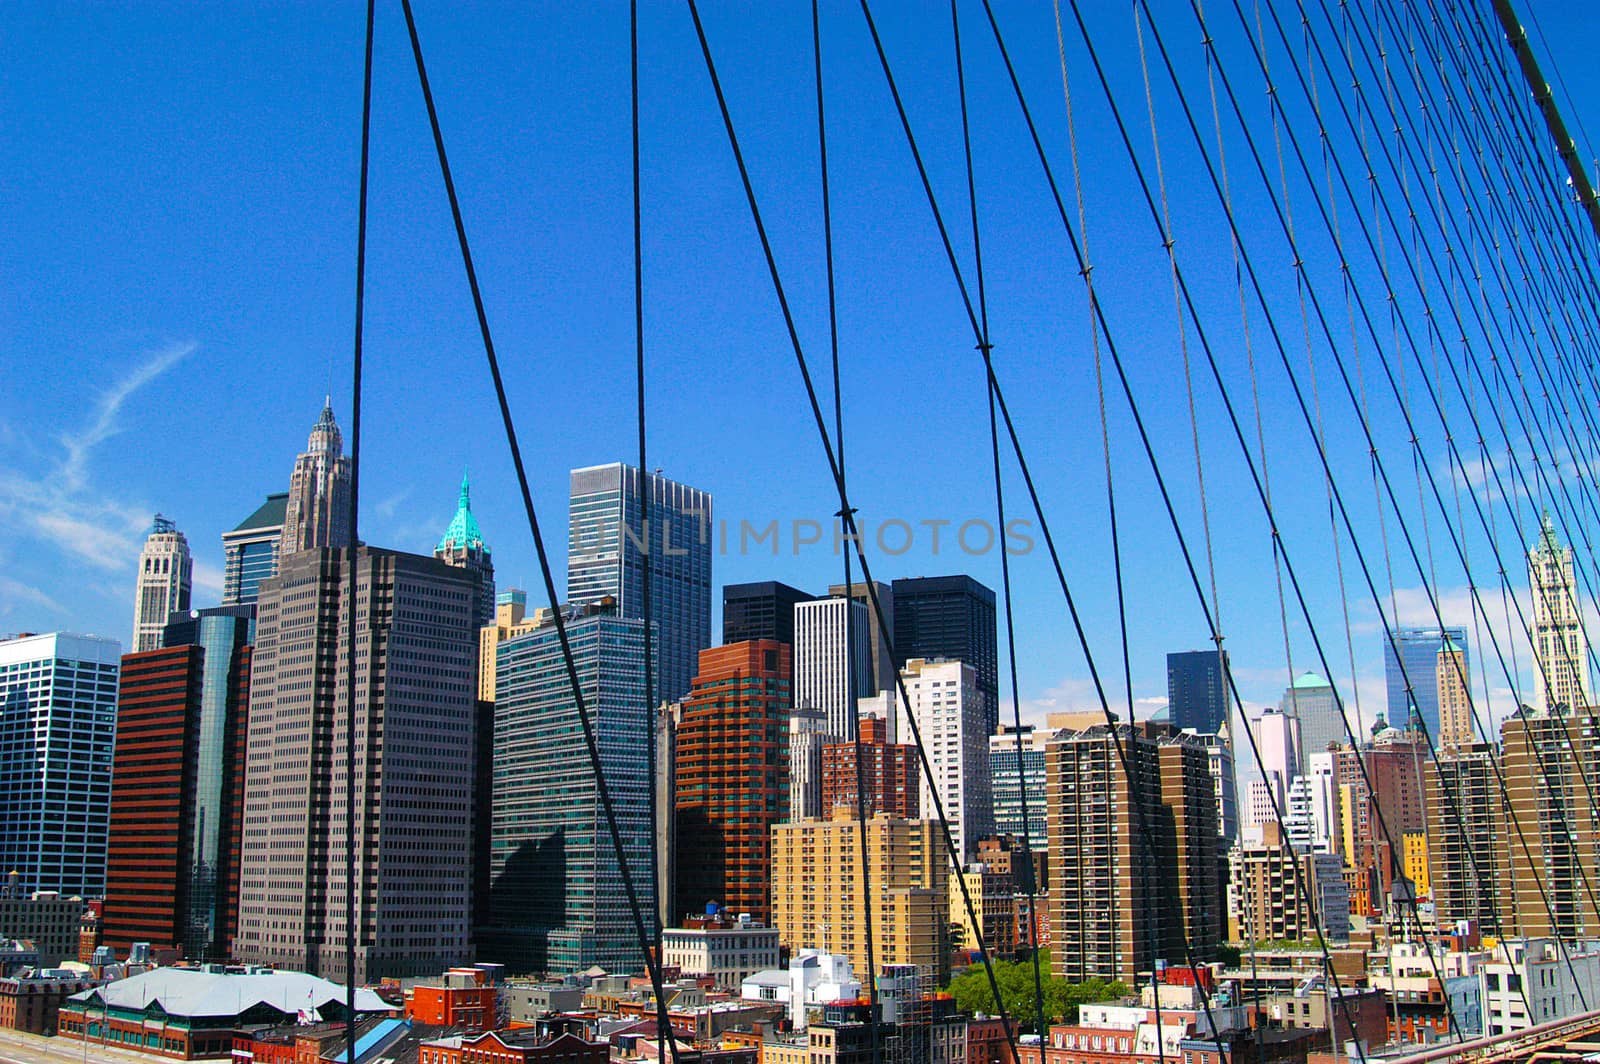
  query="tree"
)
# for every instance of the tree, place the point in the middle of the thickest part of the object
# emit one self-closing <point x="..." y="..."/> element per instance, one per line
<point x="1061" y="999"/>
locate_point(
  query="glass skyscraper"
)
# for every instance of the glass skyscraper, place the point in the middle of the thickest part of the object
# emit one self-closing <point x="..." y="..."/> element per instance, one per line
<point x="1419" y="650"/>
<point x="250" y="551"/>
<point x="58" y="720"/>
<point x="556" y="898"/>
<point x="606" y="541"/>
<point x="217" y="791"/>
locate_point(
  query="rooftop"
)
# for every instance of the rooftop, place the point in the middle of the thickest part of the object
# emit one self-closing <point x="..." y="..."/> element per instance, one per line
<point x="463" y="531"/>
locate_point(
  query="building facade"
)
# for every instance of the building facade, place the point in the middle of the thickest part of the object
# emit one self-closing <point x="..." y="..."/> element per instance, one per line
<point x="808" y="734"/>
<point x="1467" y="839"/>
<point x="1133" y="868"/>
<point x="1277" y="892"/>
<point x="891" y="773"/>
<point x="727" y="951"/>
<point x="58" y="718"/>
<point x="1197" y="690"/>
<point x="166" y="572"/>
<point x="1312" y="702"/>
<point x="732" y="777"/>
<point x="557" y="902"/>
<point x="948" y="708"/>
<point x="1550" y="762"/>
<point x="250" y="551"/>
<point x="951" y="617"/>
<point x="413" y="766"/>
<point x="606" y="543"/>
<point x="1455" y="698"/>
<point x="821" y="902"/>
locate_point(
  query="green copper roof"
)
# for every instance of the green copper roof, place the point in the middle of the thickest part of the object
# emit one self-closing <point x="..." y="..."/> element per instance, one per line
<point x="1548" y="540"/>
<point x="463" y="530"/>
<point x="1309" y="679"/>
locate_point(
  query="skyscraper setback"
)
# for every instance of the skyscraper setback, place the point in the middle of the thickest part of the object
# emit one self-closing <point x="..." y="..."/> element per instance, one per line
<point x="165" y="573"/>
<point x="414" y="660"/>
<point x="317" y="512"/>
<point x="606" y="541"/>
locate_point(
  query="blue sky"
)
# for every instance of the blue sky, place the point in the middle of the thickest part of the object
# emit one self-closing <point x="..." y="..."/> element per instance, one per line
<point x="179" y="261"/>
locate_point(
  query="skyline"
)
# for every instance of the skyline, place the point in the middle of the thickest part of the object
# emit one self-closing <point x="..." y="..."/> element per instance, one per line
<point x="197" y="269"/>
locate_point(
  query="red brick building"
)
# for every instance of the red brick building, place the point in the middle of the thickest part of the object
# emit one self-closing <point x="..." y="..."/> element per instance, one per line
<point x="732" y="769"/>
<point x="521" y="1046"/>
<point x="462" y="998"/>
<point x="32" y="1004"/>
<point x="891" y="778"/>
<point x="176" y="794"/>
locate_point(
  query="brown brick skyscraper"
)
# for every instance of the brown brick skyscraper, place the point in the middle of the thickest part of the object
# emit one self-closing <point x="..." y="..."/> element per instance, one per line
<point x="732" y="777"/>
<point x="891" y="773"/>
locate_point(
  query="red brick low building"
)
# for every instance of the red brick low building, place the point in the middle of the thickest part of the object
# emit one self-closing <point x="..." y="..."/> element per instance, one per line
<point x="32" y="1003"/>
<point x="521" y="1046"/>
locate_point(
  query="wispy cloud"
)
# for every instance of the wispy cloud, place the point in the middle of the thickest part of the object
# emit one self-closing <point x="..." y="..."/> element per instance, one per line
<point x="51" y="497"/>
<point x="208" y="578"/>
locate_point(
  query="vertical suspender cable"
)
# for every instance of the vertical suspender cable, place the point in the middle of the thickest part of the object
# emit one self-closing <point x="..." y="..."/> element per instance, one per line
<point x="352" y="911"/>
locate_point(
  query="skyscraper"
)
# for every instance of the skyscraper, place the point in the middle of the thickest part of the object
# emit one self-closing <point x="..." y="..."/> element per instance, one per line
<point x="948" y="709"/>
<point x="763" y="610"/>
<point x="462" y="546"/>
<point x="732" y="777"/>
<point x="1468" y="833"/>
<point x="165" y="573"/>
<point x="1544" y="756"/>
<point x="1125" y="887"/>
<point x="1197" y="690"/>
<point x="1278" y="736"/>
<point x="950" y="617"/>
<point x="317" y="512"/>
<point x="414" y="659"/>
<point x="58" y="714"/>
<point x="1560" y="648"/>
<point x="827" y="676"/>
<point x="250" y="551"/>
<point x="178" y="791"/>
<point x="1311" y="701"/>
<point x="1419" y="654"/>
<point x="557" y="902"/>
<point x="808" y="734"/>
<point x="605" y="543"/>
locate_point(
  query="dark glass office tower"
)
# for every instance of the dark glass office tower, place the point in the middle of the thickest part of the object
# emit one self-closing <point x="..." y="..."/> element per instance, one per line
<point x="1197" y="690"/>
<point x="950" y="617"/>
<point x="763" y="610"/>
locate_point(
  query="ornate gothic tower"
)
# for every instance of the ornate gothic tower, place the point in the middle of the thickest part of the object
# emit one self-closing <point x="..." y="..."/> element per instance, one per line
<point x="1560" y="649"/>
<point x="165" y="572"/>
<point x="462" y="546"/>
<point x="318" y="511"/>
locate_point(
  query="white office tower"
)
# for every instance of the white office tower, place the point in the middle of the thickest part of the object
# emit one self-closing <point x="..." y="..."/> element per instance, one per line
<point x="165" y="573"/>
<point x="948" y="708"/>
<point x="1322" y="797"/>
<point x="807" y="736"/>
<point x="1560" y="650"/>
<point x="826" y="676"/>
<point x="58" y="723"/>
<point x="1278" y="737"/>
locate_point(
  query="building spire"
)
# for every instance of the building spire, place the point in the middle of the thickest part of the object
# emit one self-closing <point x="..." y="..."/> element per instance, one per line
<point x="463" y="533"/>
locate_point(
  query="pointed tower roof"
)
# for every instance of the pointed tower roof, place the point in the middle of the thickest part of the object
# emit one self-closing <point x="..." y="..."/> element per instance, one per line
<point x="463" y="531"/>
<point x="1548" y="541"/>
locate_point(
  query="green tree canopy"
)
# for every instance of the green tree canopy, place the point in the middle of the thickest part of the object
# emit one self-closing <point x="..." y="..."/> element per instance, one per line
<point x="1061" y="999"/>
